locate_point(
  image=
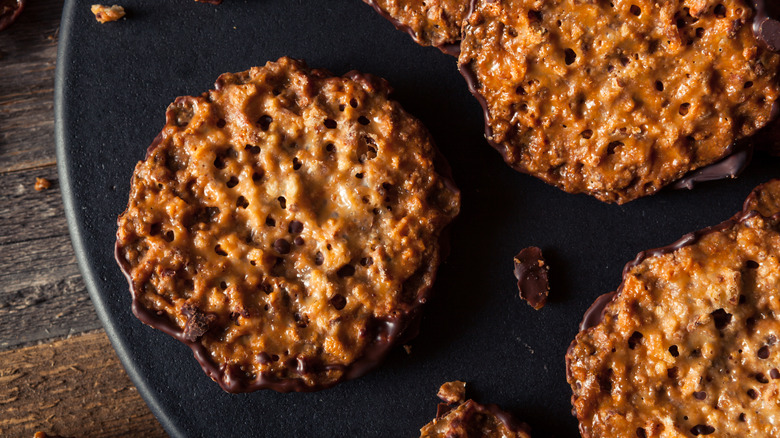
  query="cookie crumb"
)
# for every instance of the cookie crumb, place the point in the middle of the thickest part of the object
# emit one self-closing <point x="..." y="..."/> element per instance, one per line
<point x="42" y="184"/>
<point x="104" y="13"/>
<point x="408" y="349"/>
<point x="452" y="392"/>
<point x="531" y="273"/>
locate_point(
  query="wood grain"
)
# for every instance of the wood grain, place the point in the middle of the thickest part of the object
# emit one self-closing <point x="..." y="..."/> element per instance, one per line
<point x="28" y="53"/>
<point x="42" y="295"/>
<point x="72" y="387"/>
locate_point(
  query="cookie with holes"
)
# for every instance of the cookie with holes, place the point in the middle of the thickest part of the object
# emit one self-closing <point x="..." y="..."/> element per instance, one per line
<point x="287" y="226"/>
<point x="688" y="345"/>
<point x="618" y="98"/>
<point x="461" y="418"/>
<point x="429" y="22"/>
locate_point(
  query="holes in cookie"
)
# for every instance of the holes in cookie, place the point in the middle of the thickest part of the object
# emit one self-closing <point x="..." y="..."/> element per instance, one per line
<point x="252" y="149"/>
<point x="232" y="182"/>
<point x="569" y="56"/>
<point x="702" y="429"/>
<point x="612" y="146"/>
<point x="640" y="433"/>
<point x="685" y="108"/>
<point x="264" y="122"/>
<point x="534" y="16"/>
<point x="219" y="162"/>
<point x="366" y="149"/>
<point x="319" y="259"/>
<point x="774" y="374"/>
<point x="363" y="120"/>
<point x="242" y="202"/>
<point x="751" y="264"/>
<point x="672" y="372"/>
<point x="338" y="301"/>
<point x="257" y="175"/>
<point x="634" y="340"/>
<point x="520" y="90"/>
<point x="302" y="321"/>
<point x="742" y="417"/>
<point x="218" y="249"/>
<point x="748" y="84"/>
<point x="221" y="123"/>
<point x="366" y="261"/>
<point x="720" y="11"/>
<point x="659" y="85"/>
<point x="222" y="285"/>
<point x="353" y="103"/>
<point x="168" y="236"/>
<point x="282" y="246"/>
<point x="359" y="175"/>
<point x="330" y="148"/>
<point x="674" y="351"/>
<point x="296" y="163"/>
<point x="634" y="9"/>
<point x="282" y="202"/>
<point x="269" y="221"/>
<point x="342" y="107"/>
<point x="330" y="124"/>
<point x="699" y="395"/>
<point x="299" y="241"/>
<point x="155" y="229"/>
<point x="721" y="318"/>
<point x="346" y="271"/>
<point x="587" y="134"/>
<point x="761" y="378"/>
<point x="295" y="227"/>
<point x="752" y="393"/>
<point x="763" y="352"/>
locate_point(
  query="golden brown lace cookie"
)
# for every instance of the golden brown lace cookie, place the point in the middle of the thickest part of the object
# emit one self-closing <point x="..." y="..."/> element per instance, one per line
<point x="461" y="418"/>
<point x="617" y="98"/>
<point x="430" y="22"/>
<point x="688" y="345"/>
<point x="286" y="226"/>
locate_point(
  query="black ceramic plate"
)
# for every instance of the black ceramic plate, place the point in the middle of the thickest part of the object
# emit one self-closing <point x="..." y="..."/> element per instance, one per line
<point x="114" y="82"/>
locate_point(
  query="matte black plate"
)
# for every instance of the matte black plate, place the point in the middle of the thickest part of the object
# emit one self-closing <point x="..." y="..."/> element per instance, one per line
<point x="114" y="82"/>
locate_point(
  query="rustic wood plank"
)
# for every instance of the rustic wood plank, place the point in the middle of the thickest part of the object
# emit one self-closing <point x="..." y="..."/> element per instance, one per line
<point x="42" y="295"/>
<point x="71" y="387"/>
<point x="28" y="53"/>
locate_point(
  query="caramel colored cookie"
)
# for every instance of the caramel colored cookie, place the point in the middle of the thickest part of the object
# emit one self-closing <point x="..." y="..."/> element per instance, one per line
<point x="286" y="226"/>
<point x="457" y="418"/>
<point x="618" y="98"/>
<point x="688" y="345"/>
<point x="430" y="22"/>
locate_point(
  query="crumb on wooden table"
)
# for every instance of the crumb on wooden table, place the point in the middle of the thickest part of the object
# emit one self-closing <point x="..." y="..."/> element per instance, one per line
<point x="42" y="184"/>
<point x="104" y="13"/>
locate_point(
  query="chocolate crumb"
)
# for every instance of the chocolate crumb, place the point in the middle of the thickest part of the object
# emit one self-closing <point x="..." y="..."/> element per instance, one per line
<point x="198" y="322"/>
<point x="531" y="274"/>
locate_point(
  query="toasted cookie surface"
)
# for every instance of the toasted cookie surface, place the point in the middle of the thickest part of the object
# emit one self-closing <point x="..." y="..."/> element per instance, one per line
<point x="617" y="98"/>
<point x="429" y="22"/>
<point x="689" y="344"/>
<point x="286" y="226"/>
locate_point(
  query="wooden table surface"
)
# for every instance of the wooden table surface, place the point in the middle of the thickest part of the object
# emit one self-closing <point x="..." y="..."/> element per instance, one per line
<point x="58" y="372"/>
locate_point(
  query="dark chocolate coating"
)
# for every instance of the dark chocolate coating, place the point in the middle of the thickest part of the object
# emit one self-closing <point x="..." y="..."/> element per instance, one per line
<point x="765" y="25"/>
<point x="9" y="11"/>
<point x="531" y="274"/>
<point x="730" y="167"/>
